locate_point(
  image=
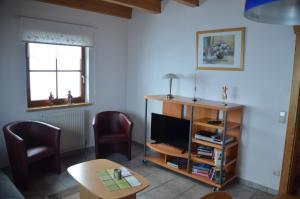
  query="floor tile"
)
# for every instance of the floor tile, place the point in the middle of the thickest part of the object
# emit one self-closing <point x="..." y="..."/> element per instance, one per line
<point x="262" y="195"/>
<point x="67" y="180"/>
<point x="239" y="191"/>
<point x="164" y="184"/>
<point x="196" y="191"/>
<point x="172" y="188"/>
<point x="144" y="196"/>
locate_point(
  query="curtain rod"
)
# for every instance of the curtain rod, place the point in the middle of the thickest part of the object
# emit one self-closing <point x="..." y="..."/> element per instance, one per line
<point x="56" y="21"/>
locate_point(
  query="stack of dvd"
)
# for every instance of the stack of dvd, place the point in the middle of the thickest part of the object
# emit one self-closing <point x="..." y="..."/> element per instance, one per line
<point x="205" y="152"/>
<point x="215" y="175"/>
<point x="200" y="169"/>
<point x="179" y="163"/>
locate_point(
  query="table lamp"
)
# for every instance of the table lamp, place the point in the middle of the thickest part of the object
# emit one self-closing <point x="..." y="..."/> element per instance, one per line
<point x="286" y="12"/>
<point x="170" y="76"/>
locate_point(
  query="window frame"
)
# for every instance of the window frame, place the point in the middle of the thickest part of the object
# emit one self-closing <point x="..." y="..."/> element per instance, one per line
<point x="56" y="101"/>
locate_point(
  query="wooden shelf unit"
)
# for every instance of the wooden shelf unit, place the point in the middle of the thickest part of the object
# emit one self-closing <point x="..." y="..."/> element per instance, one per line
<point x="199" y="113"/>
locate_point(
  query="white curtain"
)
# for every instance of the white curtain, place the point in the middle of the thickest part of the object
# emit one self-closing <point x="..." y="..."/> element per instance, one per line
<point x="53" y="32"/>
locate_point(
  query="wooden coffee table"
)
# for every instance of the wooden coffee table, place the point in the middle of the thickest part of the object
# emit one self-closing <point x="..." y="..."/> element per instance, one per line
<point x="91" y="186"/>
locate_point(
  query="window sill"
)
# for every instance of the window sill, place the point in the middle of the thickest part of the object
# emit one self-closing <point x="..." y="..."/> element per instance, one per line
<point x="43" y="108"/>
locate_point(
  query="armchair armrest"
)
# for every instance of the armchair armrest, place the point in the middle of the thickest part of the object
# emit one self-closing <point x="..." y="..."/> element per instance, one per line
<point x="126" y="125"/>
<point x="16" y="148"/>
<point x="48" y="134"/>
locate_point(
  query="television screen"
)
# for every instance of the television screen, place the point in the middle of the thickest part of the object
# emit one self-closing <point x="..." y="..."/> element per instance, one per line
<point x="170" y="130"/>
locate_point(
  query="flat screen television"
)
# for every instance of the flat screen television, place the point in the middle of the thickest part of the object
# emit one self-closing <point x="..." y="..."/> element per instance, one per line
<point x="170" y="130"/>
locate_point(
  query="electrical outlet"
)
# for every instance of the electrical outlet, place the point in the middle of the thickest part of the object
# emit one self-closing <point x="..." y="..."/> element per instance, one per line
<point x="276" y="172"/>
<point x="282" y="117"/>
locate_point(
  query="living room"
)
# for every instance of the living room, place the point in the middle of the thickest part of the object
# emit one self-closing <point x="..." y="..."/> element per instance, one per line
<point x="128" y="58"/>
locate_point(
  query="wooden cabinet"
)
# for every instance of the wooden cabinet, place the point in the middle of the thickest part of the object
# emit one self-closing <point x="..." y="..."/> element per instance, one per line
<point x="199" y="113"/>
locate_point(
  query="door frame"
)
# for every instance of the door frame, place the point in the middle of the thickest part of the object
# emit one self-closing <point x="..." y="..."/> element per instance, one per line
<point x="288" y="164"/>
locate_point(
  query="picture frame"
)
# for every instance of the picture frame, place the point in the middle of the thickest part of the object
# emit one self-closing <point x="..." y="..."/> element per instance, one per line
<point x="221" y="49"/>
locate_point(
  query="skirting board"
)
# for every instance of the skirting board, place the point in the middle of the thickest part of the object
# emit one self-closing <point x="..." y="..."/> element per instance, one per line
<point x="257" y="186"/>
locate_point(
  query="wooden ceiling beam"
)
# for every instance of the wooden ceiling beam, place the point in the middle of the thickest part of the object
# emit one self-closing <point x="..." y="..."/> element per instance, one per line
<point x="99" y="6"/>
<point x="152" y="6"/>
<point x="192" y="3"/>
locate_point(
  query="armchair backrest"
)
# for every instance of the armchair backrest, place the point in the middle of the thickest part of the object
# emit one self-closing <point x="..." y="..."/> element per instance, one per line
<point x="112" y="122"/>
<point x="33" y="132"/>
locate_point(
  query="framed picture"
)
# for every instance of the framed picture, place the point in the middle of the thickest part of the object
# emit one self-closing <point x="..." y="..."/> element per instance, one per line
<point x="221" y="49"/>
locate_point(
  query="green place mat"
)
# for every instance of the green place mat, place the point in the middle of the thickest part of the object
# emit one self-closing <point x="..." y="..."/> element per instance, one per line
<point x="111" y="184"/>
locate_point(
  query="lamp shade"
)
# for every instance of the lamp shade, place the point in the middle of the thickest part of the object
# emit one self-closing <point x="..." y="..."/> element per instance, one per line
<point x="286" y="12"/>
<point x="170" y="76"/>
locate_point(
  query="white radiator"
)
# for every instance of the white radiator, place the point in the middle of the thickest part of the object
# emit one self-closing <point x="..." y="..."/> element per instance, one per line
<point x="73" y="128"/>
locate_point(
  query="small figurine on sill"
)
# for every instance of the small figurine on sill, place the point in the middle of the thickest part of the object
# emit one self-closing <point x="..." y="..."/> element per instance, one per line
<point x="51" y="99"/>
<point x="224" y="95"/>
<point x="70" y="97"/>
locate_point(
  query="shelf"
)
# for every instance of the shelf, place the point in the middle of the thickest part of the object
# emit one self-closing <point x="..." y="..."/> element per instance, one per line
<point x="203" y="110"/>
<point x="218" y="146"/>
<point x="167" y="150"/>
<point x="160" y="161"/>
<point x="204" y="122"/>
<point x="200" y="103"/>
<point x="211" y="162"/>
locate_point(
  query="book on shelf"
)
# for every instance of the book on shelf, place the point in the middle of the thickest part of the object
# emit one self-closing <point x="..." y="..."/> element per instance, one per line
<point x="205" y="170"/>
<point x="213" y="137"/>
<point x="173" y="165"/>
<point x="216" y="174"/>
<point x="218" y="157"/>
<point x="177" y="162"/>
<point x="201" y="169"/>
<point x="205" y="152"/>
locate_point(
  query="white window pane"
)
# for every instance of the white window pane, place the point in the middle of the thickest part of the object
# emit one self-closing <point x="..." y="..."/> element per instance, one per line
<point x="68" y="81"/>
<point x="42" y="57"/>
<point x="41" y="84"/>
<point x="68" y="58"/>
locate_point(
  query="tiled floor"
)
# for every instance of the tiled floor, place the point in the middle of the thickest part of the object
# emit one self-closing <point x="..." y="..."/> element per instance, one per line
<point x="164" y="184"/>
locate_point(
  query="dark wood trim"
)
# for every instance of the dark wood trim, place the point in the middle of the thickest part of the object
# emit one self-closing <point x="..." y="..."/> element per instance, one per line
<point x="95" y="6"/>
<point x="152" y="6"/>
<point x="27" y="74"/>
<point x="286" y="180"/>
<point x="83" y="74"/>
<point x="62" y="106"/>
<point x="191" y="3"/>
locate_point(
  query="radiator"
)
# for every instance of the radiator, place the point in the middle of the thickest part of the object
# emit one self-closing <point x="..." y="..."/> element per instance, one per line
<point x="73" y="128"/>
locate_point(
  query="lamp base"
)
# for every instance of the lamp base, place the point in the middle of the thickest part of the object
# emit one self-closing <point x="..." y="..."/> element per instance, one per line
<point x="169" y="96"/>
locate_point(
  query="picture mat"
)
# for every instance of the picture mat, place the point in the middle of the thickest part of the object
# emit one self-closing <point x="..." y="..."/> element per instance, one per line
<point x="237" y="50"/>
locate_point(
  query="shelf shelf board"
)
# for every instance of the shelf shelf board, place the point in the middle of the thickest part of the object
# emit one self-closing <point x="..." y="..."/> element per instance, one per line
<point x="211" y="162"/>
<point x="202" y="160"/>
<point x="230" y="162"/>
<point x="200" y="103"/>
<point x="204" y="122"/>
<point x="218" y="146"/>
<point x="167" y="150"/>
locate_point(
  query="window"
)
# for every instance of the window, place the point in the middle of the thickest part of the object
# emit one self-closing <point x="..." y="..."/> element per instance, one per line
<point x="55" y="69"/>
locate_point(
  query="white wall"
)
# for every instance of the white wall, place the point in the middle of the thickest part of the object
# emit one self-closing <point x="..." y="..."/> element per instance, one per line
<point x="163" y="43"/>
<point x="110" y="60"/>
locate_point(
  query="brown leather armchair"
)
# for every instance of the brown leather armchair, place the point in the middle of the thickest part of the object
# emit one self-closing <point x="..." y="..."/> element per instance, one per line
<point x="29" y="142"/>
<point x="112" y="131"/>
